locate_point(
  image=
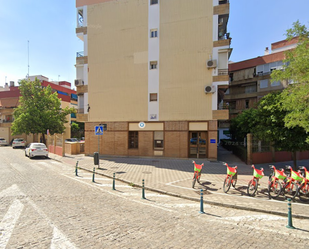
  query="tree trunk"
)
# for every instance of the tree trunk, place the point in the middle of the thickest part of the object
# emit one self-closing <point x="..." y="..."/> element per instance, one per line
<point x="44" y="139"/>
<point x="294" y="160"/>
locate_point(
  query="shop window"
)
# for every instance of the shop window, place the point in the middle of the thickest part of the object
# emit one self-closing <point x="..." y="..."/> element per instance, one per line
<point x="133" y="139"/>
<point x="158" y="140"/>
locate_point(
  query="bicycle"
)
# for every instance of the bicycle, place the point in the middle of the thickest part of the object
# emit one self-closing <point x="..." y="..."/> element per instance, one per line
<point x="303" y="190"/>
<point x="231" y="178"/>
<point x="290" y="184"/>
<point x="254" y="182"/>
<point x="274" y="185"/>
<point x="197" y="173"/>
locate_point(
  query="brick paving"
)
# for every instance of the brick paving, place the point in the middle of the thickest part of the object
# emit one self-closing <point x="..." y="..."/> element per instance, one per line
<point x="174" y="177"/>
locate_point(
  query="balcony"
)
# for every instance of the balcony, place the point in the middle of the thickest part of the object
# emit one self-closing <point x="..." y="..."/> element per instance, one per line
<point x="81" y="58"/>
<point x="222" y="9"/>
<point x="81" y="89"/>
<point x="220" y="114"/>
<point x="81" y="116"/>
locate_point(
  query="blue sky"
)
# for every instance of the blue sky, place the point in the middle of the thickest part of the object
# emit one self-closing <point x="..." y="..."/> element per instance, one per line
<point x="49" y="25"/>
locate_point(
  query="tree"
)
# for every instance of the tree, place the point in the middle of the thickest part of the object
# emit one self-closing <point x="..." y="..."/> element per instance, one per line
<point x="270" y="126"/>
<point x="39" y="110"/>
<point x="243" y="124"/>
<point x="77" y="129"/>
<point x="295" y="99"/>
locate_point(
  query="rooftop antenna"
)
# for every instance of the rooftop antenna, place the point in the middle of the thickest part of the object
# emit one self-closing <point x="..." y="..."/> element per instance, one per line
<point x="28" y="60"/>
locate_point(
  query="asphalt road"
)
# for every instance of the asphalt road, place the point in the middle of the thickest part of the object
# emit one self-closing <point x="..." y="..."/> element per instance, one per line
<point x="44" y="205"/>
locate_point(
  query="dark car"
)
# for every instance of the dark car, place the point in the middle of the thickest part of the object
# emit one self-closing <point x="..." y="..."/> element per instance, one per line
<point x="71" y="140"/>
<point x="194" y="140"/>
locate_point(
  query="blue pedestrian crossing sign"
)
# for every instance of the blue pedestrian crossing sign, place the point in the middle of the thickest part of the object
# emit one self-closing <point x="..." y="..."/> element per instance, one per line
<point x="98" y="130"/>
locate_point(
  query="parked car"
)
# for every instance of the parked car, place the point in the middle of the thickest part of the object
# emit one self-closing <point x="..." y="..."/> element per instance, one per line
<point x="35" y="150"/>
<point x="3" y="142"/>
<point x="71" y="140"/>
<point x="19" y="142"/>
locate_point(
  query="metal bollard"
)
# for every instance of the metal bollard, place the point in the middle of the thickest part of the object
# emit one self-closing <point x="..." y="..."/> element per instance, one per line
<point x="76" y="169"/>
<point x="114" y="181"/>
<point x="93" y="175"/>
<point x="143" y="190"/>
<point x="202" y="203"/>
<point x="290" y="224"/>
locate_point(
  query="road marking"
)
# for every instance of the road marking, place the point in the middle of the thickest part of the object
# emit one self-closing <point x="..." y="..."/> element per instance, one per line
<point x="59" y="240"/>
<point x="8" y="222"/>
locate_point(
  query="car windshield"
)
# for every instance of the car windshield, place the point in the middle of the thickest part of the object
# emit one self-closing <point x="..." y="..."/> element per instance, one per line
<point x="2" y="139"/>
<point x="39" y="146"/>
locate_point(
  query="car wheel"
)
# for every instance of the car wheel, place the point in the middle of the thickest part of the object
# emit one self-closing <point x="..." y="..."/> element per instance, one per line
<point x="25" y="154"/>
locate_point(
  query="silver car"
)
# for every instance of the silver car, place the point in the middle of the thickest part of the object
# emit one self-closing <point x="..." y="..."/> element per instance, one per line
<point x="3" y="142"/>
<point x="36" y="149"/>
<point x="18" y="142"/>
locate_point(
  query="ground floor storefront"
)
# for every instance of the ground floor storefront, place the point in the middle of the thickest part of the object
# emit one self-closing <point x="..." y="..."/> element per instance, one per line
<point x="178" y="139"/>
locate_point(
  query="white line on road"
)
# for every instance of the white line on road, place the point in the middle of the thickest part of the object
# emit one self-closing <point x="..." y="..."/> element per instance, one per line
<point x="59" y="240"/>
<point x="8" y="222"/>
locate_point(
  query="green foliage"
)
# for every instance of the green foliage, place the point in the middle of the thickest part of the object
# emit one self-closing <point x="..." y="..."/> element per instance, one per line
<point x="243" y="124"/>
<point x="271" y="125"/>
<point x="77" y="129"/>
<point x="295" y="99"/>
<point x="39" y="110"/>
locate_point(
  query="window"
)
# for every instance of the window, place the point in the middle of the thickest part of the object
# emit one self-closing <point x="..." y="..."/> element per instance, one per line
<point x="133" y="139"/>
<point x="154" y="2"/>
<point x="275" y="83"/>
<point x="263" y="83"/>
<point x="247" y="103"/>
<point x="158" y="139"/>
<point x="250" y="89"/>
<point x="153" y="33"/>
<point x="153" y="97"/>
<point x="153" y="65"/>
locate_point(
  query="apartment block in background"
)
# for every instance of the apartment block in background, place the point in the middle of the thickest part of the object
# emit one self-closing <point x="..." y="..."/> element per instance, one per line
<point x="154" y="72"/>
<point x="9" y="100"/>
<point x="250" y="79"/>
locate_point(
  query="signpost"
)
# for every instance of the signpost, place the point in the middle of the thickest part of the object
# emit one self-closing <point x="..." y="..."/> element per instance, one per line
<point x="98" y="130"/>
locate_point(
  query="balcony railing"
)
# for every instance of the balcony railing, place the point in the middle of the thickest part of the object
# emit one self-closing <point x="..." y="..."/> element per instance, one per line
<point x="223" y="71"/>
<point x="80" y="54"/>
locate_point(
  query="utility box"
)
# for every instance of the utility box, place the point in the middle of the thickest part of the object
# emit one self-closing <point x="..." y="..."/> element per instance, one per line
<point x="96" y="158"/>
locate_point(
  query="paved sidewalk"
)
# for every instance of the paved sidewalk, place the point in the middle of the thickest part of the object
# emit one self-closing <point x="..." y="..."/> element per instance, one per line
<point x="174" y="177"/>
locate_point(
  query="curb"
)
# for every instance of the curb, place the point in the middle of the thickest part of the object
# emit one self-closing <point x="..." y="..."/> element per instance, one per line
<point x="204" y="201"/>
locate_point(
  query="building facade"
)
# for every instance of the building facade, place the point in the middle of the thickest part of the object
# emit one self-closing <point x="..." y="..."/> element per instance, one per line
<point x="152" y="71"/>
<point x="250" y="79"/>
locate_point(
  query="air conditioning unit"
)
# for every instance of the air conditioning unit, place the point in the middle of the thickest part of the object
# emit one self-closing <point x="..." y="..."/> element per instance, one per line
<point x="79" y="82"/>
<point x="210" y="89"/>
<point x="212" y="63"/>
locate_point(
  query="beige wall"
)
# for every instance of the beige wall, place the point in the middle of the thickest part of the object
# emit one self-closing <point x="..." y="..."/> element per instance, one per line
<point x="117" y="33"/>
<point x="185" y="46"/>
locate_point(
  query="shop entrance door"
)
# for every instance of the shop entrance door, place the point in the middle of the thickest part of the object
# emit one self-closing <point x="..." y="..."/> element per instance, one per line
<point x="197" y="144"/>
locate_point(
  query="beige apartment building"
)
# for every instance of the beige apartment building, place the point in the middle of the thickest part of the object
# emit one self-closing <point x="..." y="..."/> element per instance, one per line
<point x="152" y="71"/>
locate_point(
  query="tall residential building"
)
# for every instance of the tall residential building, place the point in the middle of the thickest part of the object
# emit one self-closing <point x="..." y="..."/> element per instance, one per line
<point x="250" y="79"/>
<point x="153" y="71"/>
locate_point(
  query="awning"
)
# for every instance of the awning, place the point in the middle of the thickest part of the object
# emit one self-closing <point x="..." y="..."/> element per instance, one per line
<point x="11" y="102"/>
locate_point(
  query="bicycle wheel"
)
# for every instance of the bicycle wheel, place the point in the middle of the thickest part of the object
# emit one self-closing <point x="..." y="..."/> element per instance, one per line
<point x="227" y="184"/>
<point x="252" y="187"/>
<point x="234" y="180"/>
<point x="274" y="188"/>
<point x="291" y="190"/>
<point x="303" y="192"/>
<point x="194" y="180"/>
<point x="198" y="177"/>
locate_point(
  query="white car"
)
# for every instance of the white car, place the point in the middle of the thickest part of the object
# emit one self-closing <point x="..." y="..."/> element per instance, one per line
<point x="18" y="142"/>
<point x="36" y="149"/>
<point x="3" y="142"/>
